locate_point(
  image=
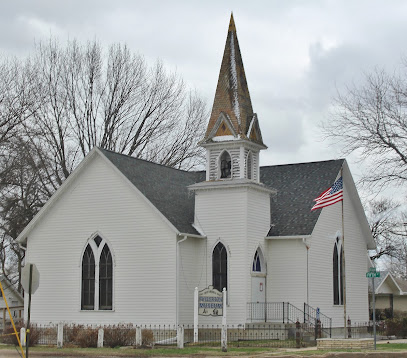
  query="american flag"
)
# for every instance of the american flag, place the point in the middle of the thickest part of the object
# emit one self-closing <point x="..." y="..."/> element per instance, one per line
<point x="330" y="196"/>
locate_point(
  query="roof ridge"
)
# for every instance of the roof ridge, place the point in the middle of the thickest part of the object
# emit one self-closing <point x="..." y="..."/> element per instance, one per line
<point x="148" y="161"/>
<point x="303" y="163"/>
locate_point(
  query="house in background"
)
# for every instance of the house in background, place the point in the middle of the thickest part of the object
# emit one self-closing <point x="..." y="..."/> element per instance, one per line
<point x="126" y="240"/>
<point x="391" y="295"/>
<point x="14" y="300"/>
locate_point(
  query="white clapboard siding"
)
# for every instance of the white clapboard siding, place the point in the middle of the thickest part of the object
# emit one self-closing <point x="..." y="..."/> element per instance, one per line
<point x="258" y="225"/>
<point x="239" y="218"/>
<point x="193" y="270"/>
<point x="101" y="201"/>
<point x="328" y="226"/>
<point x="287" y="271"/>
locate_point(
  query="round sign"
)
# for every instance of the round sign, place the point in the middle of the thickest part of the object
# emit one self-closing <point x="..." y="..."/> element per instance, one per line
<point x="25" y="278"/>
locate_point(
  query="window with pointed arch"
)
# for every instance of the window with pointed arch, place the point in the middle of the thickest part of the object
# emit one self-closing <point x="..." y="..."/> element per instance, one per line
<point x="225" y="165"/>
<point x="97" y="262"/>
<point x="249" y="165"/>
<point x="337" y="265"/>
<point x="219" y="267"/>
<point x="257" y="265"/>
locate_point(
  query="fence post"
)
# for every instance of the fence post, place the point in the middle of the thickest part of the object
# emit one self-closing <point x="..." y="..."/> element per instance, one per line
<point x="283" y="312"/>
<point x="349" y="328"/>
<point x="298" y="333"/>
<point x="139" y="340"/>
<point x="180" y="337"/>
<point x="22" y="336"/>
<point x="60" y="335"/>
<point x="319" y="328"/>
<point x="196" y="315"/>
<point x="224" y="334"/>
<point x="101" y="334"/>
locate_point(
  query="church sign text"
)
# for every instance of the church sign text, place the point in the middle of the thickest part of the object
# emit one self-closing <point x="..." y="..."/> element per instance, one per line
<point x="210" y="302"/>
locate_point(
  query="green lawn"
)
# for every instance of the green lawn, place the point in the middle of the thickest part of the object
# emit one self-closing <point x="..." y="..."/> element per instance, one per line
<point x="194" y="351"/>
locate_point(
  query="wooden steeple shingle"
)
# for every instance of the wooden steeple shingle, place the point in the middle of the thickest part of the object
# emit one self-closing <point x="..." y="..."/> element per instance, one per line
<point x="232" y="102"/>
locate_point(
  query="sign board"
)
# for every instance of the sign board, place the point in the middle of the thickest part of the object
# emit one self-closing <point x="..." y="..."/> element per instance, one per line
<point x="371" y="274"/>
<point x="25" y="278"/>
<point x="210" y="302"/>
<point x="372" y="269"/>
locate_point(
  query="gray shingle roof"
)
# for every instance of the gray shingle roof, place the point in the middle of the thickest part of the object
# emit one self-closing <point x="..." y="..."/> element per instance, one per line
<point x="165" y="187"/>
<point x="296" y="184"/>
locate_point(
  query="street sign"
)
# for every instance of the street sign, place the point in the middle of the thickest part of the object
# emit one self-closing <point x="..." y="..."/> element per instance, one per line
<point x="25" y="278"/>
<point x="372" y="274"/>
<point x="372" y="269"/>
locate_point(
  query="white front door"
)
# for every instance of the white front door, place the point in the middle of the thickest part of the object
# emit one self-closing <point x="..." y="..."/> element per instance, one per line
<point x="258" y="303"/>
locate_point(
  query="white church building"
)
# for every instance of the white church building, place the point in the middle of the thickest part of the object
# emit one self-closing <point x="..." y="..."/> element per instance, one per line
<point x="124" y="240"/>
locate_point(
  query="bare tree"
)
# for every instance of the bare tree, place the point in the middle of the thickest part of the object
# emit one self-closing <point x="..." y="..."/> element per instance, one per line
<point x="62" y="101"/>
<point x="372" y="119"/>
<point x="116" y="102"/>
<point x="387" y="220"/>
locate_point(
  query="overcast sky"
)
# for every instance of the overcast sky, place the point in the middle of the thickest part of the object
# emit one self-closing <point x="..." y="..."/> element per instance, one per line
<point x="296" y="53"/>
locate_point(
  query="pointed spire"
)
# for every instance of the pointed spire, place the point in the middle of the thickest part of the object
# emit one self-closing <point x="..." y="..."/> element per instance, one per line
<point x="232" y="96"/>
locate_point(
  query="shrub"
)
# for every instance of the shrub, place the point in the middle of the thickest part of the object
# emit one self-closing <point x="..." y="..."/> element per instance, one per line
<point x="87" y="337"/>
<point x="147" y="337"/>
<point x="10" y="338"/>
<point x="118" y="336"/>
<point x="71" y="332"/>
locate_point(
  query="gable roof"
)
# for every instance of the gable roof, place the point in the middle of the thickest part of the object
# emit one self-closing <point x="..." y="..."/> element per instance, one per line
<point x="8" y="285"/>
<point x="167" y="189"/>
<point x="297" y="185"/>
<point x="164" y="187"/>
<point x="398" y="285"/>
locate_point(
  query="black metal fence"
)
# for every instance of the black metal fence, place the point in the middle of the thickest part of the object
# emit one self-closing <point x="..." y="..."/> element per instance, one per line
<point x="285" y="312"/>
<point x="254" y="335"/>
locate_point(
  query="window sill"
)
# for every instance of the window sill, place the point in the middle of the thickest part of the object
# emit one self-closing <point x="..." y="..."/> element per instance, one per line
<point x="97" y="310"/>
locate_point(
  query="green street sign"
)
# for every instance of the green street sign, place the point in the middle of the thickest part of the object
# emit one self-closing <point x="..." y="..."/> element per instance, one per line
<point x="372" y="269"/>
<point x="372" y="274"/>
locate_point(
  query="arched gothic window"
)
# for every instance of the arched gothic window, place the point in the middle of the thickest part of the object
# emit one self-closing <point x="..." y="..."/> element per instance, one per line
<point x="256" y="262"/>
<point x="88" y="279"/>
<point x="97" y="262"/>
<point x="249" y="165"/>
<point x="337" y="265"/>
<point x="105" y="279"/>
<point x="219" y="267"/>
<point x="225" y="165"/>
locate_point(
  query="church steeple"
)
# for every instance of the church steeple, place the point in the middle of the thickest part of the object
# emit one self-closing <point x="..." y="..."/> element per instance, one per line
<point x="233" y="139"/>
<point x="232" y="98"/>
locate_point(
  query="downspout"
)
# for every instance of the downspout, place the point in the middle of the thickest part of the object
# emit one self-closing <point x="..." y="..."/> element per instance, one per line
<point x="307" y="246"/>
<point x="177" y="281"/>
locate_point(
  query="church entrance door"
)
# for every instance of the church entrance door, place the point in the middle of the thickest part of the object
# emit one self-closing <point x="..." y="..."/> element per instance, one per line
<point x="258" y="303"/>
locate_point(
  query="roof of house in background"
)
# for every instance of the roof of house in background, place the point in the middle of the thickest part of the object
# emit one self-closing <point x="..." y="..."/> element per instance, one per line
<point x="8" y="285"/>
<point x="398" y="285"/>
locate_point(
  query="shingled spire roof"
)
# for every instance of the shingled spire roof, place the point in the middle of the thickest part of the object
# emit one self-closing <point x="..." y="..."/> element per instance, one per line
<point x="232" y="96"/>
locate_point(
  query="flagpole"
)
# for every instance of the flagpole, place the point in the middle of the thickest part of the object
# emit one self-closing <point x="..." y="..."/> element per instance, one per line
<point x="343" y="257"/>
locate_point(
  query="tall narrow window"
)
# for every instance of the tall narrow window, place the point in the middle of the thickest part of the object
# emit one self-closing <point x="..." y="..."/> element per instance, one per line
<point x="225" y="165"/>
<point x="88" y="279"/>
<point x="105" y="279"/>
<point x="256" y="262"/>
<point x="337" y="270"/>
<point x="219" y="267"/>
<point x="249" y="166"/>
<point x="97" y="276"/>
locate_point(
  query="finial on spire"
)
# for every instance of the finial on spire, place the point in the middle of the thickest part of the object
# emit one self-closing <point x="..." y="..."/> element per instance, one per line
<point x="232" y="26"/>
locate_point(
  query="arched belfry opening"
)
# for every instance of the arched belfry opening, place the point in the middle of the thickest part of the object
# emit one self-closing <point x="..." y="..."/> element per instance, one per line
<point x="225" y="162"/>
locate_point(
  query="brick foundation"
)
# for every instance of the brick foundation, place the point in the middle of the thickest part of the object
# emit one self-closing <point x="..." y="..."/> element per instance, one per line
<point x="337" y="343"/>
